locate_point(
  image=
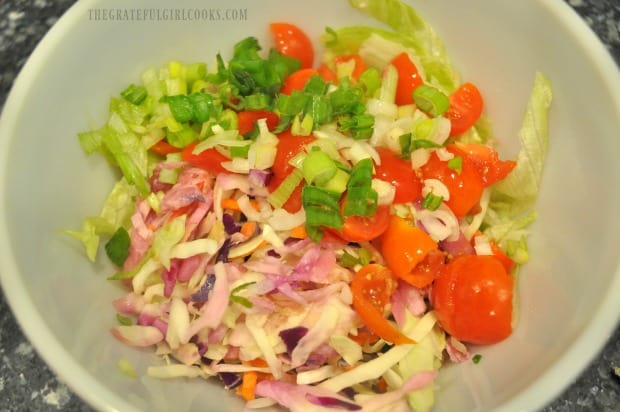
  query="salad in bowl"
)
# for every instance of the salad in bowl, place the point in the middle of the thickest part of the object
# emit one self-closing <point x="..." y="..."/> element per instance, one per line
<point x="317" y="232"/>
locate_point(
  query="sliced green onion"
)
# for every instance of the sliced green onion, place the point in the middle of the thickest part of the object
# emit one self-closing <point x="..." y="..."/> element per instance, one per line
<point x="338" y="183"/>
<point x="181" y="108"/>
<point x="176" y="86"/>
<point x="365" y="256"/>
<point x="183" y="137"/>
<point x="431" y="100"/>
<point x="240" y="151"/>
<point x="302" y="126"/>
<point x="361" y="199"/>
<point x="318" y="168"/>
<point x="316" y="86"/>
<point x="432" y="201"/>
<point x="456" y="163"/>
<point x="257" y="101"/>
<point x="123" y="320"/>
<point x="370" y="81"/>
<point x="202" y="107"/>
<point x="134" y="94"/>
<point x="117" y="248"/>
<point x="348" y="260"/>
<point x="278" y="197"/>
<point x="322" y="210"/>
<point x="359" y="126"/>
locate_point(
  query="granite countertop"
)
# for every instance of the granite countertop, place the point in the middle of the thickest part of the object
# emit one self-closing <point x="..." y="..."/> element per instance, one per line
<point x="26" y="383"/>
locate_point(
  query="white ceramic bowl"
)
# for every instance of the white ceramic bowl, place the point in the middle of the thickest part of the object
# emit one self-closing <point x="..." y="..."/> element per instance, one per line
<point x="569" y="291"/>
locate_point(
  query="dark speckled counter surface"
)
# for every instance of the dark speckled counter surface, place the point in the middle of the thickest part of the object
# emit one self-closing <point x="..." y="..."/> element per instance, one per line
<point x="26" y="384"/>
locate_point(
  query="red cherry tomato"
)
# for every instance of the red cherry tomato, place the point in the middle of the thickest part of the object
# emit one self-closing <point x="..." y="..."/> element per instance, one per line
<point x="408" y="78"/>
<point x="247" y="118"/>
<point x="293" y="42"/>
<point x="297" y="80"/>
<point x="486" y="160"/>
<point x="288" y="147"/>
<point x="465" y="186"/>
<point x="465" y="108"/>
<point x="399" y="173"/>
<point x="365" y="228"/>
<point x="473" y="299"/>
<point x="209" y="160"/>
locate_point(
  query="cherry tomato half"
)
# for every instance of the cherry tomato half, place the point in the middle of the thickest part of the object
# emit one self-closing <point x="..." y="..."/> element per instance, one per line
<point x="465" y="108"/>
<point x="297" y="80"/>
<point x="364" y="229"/>
<point x="404" y="246"/>
<point x="465" y="185"/>
<point x="372" y="288"/>
<point x="291" y="41"/>
<point x="399" y="173"/>
<point x="486" y="160"/>
<point x="247" y="118"/>
<point x="288" y="147"/>
<point x="473" y="299"/>
<point x="408" y="78"/>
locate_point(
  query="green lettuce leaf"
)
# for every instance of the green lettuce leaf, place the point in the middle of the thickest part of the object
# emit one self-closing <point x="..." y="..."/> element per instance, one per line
<point x="513" y="199"/>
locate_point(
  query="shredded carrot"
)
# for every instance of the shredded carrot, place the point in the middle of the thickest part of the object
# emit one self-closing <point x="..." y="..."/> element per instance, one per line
<point x="248" y="229"/>
<point x="299" y="232"/>
<point x="233" y="204"/>
<point x="382" y="385"/>
<point x="257" y="362"/>
<point x="248" y="385"/>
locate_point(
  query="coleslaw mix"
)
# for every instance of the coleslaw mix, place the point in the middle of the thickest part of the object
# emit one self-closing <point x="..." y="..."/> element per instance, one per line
<point x="268" y="235"/>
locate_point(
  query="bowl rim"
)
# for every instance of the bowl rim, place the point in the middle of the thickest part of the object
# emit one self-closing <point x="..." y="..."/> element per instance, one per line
<point x="549" y="385"/>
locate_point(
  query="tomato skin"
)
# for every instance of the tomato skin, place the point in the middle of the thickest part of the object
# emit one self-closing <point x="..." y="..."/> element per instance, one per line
<point x="399" y="173"/>
<point x="364" y="229"/>
<point x="209" y="160"/>
<point x="288" y="146"/>
<point x="327" y="74"/>
<point x="472" y="299"/>
<point x="465" y="187"/>
<point x="164" y="148"/>
<point x="404" y="246"/>
<point x="465" y="109"/>
<point x="297" y="80"/>
<point x="486" y="160"/>
<point x="247" y="118"/>
<point x="408" y="78"/>
<point x="372" y="288"/>
<point x="360" y="65"/>
<point x="291" y="41"/>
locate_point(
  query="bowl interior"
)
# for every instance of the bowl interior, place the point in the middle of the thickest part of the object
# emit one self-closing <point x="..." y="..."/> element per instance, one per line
<point x="567" y="292"/>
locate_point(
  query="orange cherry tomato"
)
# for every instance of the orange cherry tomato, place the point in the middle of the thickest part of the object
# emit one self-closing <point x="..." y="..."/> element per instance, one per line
<point x="465" y="108"/>
<point x="399" y="173"/>
<point x="404" y="246"/>
<point x="291" y="41"/>
<point x="408" y="78"/>
<point x="465" y="185"/>
<point x="372" y="288"/>
<point x="472" y="299"/>
<point x="209" y="160"/>
<point x="247" y="118"/>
